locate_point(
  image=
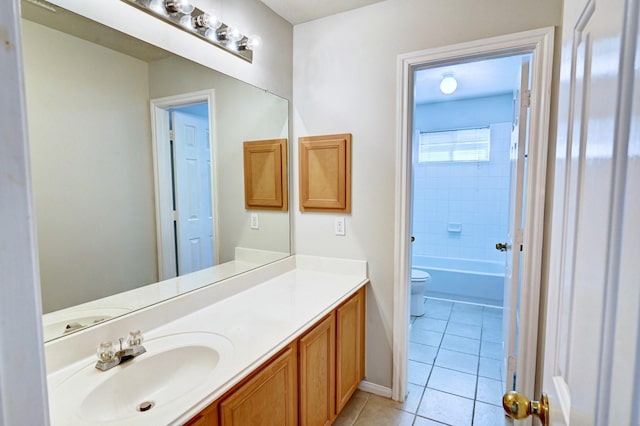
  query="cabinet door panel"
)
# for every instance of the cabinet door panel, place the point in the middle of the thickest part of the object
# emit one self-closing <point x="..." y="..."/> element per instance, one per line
<point x="267" y="399"/>
<point x="317" y="374"/>
<point x="349" y="348"/>
<point x="207" y="417"/>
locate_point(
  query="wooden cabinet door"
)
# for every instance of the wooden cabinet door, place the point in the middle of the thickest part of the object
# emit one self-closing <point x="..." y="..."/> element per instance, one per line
<point x="349" y="348"/>
<point x="269" y="398"/>
<point x="317" y="362"/>
<point x="207" y="417"/>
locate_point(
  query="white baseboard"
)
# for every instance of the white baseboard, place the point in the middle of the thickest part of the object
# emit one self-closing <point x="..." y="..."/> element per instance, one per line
<point x="375" y="389"/>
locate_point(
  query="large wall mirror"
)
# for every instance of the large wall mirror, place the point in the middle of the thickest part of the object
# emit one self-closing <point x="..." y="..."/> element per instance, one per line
<point x="130" y="147"/>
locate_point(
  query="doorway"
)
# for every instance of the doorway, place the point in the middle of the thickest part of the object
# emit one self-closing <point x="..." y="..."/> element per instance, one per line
<point x="184" y="155"/>
<point x="467" y="178"/>
<point x="539" y="45"/>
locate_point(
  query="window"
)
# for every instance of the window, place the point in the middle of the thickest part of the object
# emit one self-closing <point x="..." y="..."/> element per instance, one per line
<point x="454" y="145"/>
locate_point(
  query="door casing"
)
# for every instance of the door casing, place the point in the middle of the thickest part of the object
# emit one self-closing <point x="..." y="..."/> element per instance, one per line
<point x="540" y="44"/>
<point x="162" y="175"/>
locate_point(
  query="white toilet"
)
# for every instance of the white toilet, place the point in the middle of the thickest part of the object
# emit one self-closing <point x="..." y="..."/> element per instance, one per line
<point x="419" y="280"/>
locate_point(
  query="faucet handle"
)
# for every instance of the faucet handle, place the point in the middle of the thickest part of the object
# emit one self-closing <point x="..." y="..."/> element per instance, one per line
<point x="135" y="338"/>
<point x="106" y="351"/>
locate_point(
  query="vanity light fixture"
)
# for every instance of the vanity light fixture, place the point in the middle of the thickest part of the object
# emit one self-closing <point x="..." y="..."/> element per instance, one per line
<point x="184" y="15"/>
<point x="449" y="84"/>
<point x="179" y="6"/>
<point x="205" y="22"/>
<point x="251" y="42"/>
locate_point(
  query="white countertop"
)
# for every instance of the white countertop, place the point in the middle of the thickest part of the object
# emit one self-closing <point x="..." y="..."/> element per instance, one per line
<point x="258" y="321"/>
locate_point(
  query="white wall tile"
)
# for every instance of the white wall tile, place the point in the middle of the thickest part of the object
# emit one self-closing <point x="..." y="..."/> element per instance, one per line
<point x="472" y="194"/>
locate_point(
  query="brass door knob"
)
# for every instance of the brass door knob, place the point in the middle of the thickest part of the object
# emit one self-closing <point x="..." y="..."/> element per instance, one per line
<point x="501" y="246"/>
<point x="518" y="406"/>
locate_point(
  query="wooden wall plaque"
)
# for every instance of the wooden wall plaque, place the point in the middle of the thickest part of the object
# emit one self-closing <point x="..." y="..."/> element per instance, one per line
<point x="265" y="175"/>
<point x="325" y="173"/>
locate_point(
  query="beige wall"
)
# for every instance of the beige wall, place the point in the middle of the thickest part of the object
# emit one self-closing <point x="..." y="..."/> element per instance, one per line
<point x="91" y="163"/>
<point x="344" y="80"/>
<point x="243" y="113"/>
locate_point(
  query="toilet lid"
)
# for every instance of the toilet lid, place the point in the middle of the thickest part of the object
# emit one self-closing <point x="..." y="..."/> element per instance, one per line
<point x="418" y="275"/>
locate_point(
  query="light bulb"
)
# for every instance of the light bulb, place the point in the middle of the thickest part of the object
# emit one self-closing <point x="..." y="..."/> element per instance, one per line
<point x="253" y="42"/>
<point x="206" y="21"/>
<point x="158" y="7"/>
<point x="187" y="22"/>
<point x="211" y="34"/>
<point x="449" y="84"/>
<point x="233" y="34"/>
<point x="179" y="6"/>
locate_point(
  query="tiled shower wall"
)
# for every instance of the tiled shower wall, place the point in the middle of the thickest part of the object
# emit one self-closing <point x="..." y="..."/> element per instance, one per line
<point x="474" y="195"/>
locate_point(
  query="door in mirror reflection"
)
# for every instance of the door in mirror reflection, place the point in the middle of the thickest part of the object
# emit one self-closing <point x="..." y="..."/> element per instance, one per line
<point x="193" y="219"/>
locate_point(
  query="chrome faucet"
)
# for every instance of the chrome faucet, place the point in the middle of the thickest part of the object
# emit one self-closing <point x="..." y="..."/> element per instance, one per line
<point x="108" y="357"/>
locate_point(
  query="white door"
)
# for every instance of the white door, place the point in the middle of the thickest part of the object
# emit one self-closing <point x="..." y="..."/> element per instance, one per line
<point x="194" y="223"/>
<point x="591" y="364"/>
<point x="514" y="237"/>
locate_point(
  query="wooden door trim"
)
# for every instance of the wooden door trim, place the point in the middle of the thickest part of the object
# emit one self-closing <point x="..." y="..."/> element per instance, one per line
<point x="162" y="167"/>
<point x="540" y="42"/>
<point x="23" y="365"/>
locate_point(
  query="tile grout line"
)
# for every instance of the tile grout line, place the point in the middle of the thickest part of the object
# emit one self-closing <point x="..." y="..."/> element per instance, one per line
<point x="361" y="410"/>
<point x="434" y="360"/>
<point x="477" y="373"/>
<point x="475" y="399"/>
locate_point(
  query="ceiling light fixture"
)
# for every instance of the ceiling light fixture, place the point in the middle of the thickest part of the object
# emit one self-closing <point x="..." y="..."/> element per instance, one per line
<point x="206" y="26"/>
<point x="448" y="84"/>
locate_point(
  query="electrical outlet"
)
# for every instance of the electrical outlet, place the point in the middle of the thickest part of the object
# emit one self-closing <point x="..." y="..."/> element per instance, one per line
<point x="339" y="225"/>
<point x="254" y="221"/>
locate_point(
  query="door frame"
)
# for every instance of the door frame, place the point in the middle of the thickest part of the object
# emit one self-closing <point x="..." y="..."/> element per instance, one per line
<point x="22" y="363"/>
<point x="162" y="169"/>
<point x="539" y="43"/>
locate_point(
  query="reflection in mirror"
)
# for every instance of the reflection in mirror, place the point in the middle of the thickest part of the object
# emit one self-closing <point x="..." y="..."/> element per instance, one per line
<point x="104" y="161"/>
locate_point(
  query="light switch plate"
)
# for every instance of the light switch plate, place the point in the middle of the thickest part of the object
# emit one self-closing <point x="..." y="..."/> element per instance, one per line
<point x="339" y="225"/>
<point x="254" y="221"/>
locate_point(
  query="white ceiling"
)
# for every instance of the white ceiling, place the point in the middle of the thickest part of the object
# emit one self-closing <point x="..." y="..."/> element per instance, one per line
<point x="475" y="79"/>
<point x="298" y="11"/>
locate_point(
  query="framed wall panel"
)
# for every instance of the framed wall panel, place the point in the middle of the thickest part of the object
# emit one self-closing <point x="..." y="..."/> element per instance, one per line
<point x="265" y="175"/>
<point x="325" y="173"/>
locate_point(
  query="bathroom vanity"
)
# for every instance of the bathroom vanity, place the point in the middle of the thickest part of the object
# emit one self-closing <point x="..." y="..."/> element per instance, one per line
<point x="282" y="345"/>
<point x="317" y="372"/>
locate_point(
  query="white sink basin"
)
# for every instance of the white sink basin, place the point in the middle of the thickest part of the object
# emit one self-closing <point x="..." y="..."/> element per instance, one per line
<point x="175" y="373"/>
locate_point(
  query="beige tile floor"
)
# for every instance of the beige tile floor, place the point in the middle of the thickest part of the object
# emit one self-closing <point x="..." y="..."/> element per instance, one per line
<point x="455" y="375"/>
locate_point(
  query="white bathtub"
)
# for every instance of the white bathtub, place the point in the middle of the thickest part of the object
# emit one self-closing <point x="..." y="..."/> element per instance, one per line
<point x="466" y="280"/>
